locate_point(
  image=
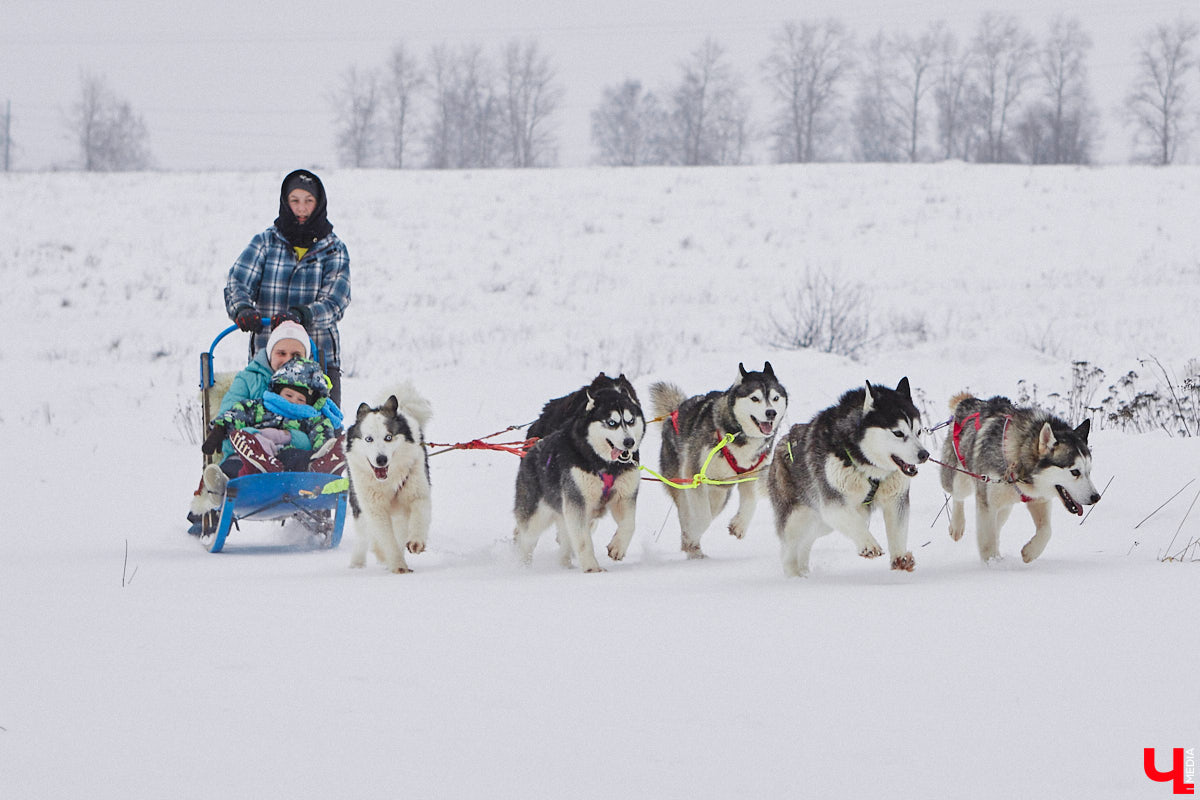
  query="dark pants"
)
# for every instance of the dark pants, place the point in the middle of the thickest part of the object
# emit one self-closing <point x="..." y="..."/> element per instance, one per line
<point x="335" y="378"/>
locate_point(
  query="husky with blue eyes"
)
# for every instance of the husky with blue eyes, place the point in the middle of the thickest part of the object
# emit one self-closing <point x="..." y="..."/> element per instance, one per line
<point x="585" y="463"/>
<point x="388" y="468"/>
<point x="751" y="411"/>
<point x="832" y="472"/>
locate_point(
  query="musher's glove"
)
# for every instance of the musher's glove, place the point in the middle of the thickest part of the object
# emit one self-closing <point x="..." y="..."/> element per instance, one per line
<point x="286" y="316"/>
<point x="248" y="319"/>
<point x="213" y="442"/>
<point x="303" y="315"/>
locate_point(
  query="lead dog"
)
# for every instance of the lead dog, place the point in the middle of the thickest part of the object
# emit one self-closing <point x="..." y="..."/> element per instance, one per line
<point x="851" y="459"/>
<point x="1026" y="455"/>
<point x="388" y="468"/>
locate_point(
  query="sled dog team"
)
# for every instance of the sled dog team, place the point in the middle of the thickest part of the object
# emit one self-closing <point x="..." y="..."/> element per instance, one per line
<point x="828" y="474"/>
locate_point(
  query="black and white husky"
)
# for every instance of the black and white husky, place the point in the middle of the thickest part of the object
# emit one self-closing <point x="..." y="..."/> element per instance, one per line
<point x="831" y="473"/>
<point x="1003" y="453"/>
<point x="585" y="463"/>
<point x="751" y="410"/>
<point x="388" y="468"/>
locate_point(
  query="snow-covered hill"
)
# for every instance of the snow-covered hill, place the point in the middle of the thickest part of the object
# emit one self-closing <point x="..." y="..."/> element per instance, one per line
<point x="135" y="664"/>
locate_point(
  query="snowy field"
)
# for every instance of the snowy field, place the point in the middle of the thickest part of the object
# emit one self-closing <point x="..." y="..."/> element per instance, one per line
<point x="136" y="665"/>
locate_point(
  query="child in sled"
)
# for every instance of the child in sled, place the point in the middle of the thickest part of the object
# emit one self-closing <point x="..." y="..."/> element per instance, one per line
<point x="294" y="426"/>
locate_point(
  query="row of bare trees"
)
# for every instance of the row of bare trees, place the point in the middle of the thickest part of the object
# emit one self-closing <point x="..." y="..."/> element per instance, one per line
<point x="480" y="113"/>
<point x="1001" y="96"/>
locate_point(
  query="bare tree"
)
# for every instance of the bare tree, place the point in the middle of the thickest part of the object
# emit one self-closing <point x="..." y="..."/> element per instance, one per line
<point x="402" y="79"/>
<point x="878" y="119"/>
<point x="1004" y="58"/>
<point x="919" y="56"/>
<point x="1158" y="104"/>
<point x="954" y="97"/>
<point x="357" y="108"/>
<point x="804" y="73"/>
<point x="111" y="136"/>
<point x="532" y="96"/>
<point x="1061" y="127"/>
<point x="466" y="128"/>
<point x="709" y="112"/>
<point x="628" y="126"/>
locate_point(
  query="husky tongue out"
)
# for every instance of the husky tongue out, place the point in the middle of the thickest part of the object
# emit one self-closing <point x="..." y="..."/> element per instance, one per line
<point x="765" y="427"/>
<point x="618" y="454"/>
<point x="1069" y="502"/>
<point x="908" y="469"/>
<point x="381" y="473"/>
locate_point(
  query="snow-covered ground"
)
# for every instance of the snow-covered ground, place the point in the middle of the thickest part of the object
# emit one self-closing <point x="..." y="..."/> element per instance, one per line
<point x="135" y="664"/>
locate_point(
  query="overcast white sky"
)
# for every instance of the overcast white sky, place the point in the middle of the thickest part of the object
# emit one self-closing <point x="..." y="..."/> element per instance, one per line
<point x="230" y="84"/>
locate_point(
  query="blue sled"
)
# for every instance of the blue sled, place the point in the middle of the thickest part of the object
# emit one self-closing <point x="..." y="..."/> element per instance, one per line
<point x="279" y="495"/>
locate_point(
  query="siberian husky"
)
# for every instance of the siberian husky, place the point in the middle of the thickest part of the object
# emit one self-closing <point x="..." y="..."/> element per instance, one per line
<point x="751" y="410"/>
<point x="1003" y="454"/>
<point x="831" y="473"/>
<point x="585" y="463"/>
<point x="388" y="468"/>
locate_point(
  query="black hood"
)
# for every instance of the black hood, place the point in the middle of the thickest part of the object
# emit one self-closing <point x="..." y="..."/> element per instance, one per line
<point x="317" y="227"/>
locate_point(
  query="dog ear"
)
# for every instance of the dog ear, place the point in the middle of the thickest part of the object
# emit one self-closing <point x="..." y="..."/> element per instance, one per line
<point x="768" y="370"/>
<point x="1046" y="440"/>
<point x="1084" y="429"/>
<point x="590" y="402"/>
<point x="363" y="410"/>
<point x="391" y="405"/>
<point x="903" y="390"/>
<point x="869" y="399"/>
<point x="742" y="372"/>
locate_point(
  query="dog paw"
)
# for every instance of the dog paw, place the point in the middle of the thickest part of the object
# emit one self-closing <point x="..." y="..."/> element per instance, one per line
<point x="400" y="569"/>
<point x="737" y="529"/>
<point x="1029" y="553"/>
<point x="416" y="547"/>
<point x="871" y="551"/>
<point x="692" y="550"/>
<point x="905" y="562"/>
<point x="596" y="569"/>
<point x="616" y="552"/>
<point x="956" y="532"/>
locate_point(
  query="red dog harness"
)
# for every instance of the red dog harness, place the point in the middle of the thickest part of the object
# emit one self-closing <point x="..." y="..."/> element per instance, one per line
<point x="957" y="434"/>
<point x="729" y="459"/>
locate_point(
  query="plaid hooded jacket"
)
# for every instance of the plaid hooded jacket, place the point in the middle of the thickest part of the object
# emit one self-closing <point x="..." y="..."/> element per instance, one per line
<point x="267" y="276"/>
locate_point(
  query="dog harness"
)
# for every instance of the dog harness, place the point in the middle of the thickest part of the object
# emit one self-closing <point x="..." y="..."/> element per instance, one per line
<point x="729" y="459"/>
<point x="608" y="479"/>
<point x="956" y="434"/>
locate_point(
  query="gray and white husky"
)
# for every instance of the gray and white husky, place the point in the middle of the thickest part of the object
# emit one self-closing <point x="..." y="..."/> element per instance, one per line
<point x="585" y="463"/>
<point x="752" y="410"/>
<point x="831" y="473"/>
<point x="388" y="468"/>
<point x="1015" y="454"/>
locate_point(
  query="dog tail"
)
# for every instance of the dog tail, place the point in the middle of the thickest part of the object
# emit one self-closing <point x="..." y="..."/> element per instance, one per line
<point x="410" y="401"/>
<point x="958" y="398"/>
<point x="665" y="398"/>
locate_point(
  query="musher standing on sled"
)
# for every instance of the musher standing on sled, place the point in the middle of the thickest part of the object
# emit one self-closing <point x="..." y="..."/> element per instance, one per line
<point x="297" y="269"/>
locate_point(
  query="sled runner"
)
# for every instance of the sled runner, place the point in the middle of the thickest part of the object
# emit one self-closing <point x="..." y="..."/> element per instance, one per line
<point x="316" y="499"/>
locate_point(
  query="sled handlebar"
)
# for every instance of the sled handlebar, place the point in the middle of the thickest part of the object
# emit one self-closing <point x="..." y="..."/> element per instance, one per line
<point x="206" y="371"/>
